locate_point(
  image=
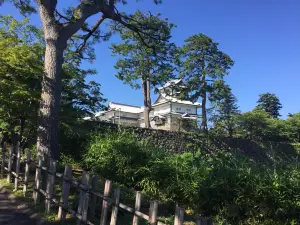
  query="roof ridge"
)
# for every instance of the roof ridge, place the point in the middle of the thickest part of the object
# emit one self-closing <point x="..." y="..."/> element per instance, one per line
<point x="125" y="104"/>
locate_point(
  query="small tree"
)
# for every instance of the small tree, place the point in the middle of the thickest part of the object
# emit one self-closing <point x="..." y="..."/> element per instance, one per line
<point x="254" y="125"/>
<point x="294" y="127"/>
<point x="151" y="64"/>
<point x="269" y="103"/>
<point x="225" y="108"/>
<point x="202" y="65"/>
<point x="21" y="53"/>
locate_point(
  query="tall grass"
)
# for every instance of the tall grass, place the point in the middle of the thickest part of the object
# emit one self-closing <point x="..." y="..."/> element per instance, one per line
<point x="229" y="187"/>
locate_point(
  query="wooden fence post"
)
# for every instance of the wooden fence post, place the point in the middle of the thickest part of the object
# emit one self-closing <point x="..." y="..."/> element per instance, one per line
<point x="153" y="212"/>
<point x="38" y="180"/>
<point x="85" y="203"/>
<point x="115" y="208"/>
<point x="17" y="167"/>
<point x="3" y="159"/>
<point x="50" y="184"/>
<point x="92" y="207"/>
<point x="137" y="207"/>
<point x="65" y="192"/>
<point x="179" y="215"/>
<point x="81" y="202"/>
<point x="104" y="210"/>
<point x="27" y="166"/>
<point x="9" y="164"/>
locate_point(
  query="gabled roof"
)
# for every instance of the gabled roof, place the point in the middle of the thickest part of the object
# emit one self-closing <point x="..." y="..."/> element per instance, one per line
<point x="124" y="107"/>
<point x="163" y="98"/>
<point x="171" y="83"/>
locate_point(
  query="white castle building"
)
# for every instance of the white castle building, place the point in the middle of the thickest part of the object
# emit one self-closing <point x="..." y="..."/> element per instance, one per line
<point x="168" y="112"/>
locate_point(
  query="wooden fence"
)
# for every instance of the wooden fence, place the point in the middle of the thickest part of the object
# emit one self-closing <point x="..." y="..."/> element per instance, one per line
<point x="88" y="193"/>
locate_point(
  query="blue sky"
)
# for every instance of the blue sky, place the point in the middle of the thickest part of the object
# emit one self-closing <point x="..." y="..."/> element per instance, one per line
<point x="261" y="36"/>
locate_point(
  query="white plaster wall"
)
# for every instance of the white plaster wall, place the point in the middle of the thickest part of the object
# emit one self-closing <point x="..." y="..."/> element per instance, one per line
<point x="184" y="108"/>
<point x="162" y="109"/>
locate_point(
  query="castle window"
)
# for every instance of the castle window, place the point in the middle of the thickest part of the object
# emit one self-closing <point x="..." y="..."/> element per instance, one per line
<point x="188" y="110"/>
<point x="178" y="109"/>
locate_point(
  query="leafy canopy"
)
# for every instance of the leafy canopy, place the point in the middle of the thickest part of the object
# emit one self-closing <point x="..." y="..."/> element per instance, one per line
<point x="138" y="60"/>
<point x="202" y="64"/>
<point x="21" y="69"/>
<point x="224" y="108"/>
<point x="270" y="103"/>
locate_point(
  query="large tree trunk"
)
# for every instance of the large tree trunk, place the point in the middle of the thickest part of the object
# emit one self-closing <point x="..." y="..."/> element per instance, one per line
<point x="48" y="131"/>
<point x="204" y="114"/>
<point x="147" y="102"/>
<point x="47" y="141"/>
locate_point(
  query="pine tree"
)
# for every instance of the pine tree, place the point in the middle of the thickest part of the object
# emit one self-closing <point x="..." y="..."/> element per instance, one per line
<point x="149" y="64"/>
<point x="269" y="103"/>
<point x="202" y="65"/>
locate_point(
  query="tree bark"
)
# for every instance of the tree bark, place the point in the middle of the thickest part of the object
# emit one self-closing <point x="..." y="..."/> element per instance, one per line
<point x="230" y="131"/>
<point x="48" y="135"/>
<point x="147" y="102"/>
<point x="204" y="114"/>
<point x="48" y="131"/>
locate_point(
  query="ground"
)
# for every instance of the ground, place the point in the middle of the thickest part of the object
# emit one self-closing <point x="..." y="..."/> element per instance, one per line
<point x="13" y="212"/>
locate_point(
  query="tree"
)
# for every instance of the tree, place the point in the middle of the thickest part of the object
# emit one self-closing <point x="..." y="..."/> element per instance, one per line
<point x="294" y="127"/>
<point x="139" y="62"/>
<point x="59" y="29"/>
<point x="269" y="103"/>
<point x="225" y="107"/>
<point x="202" y="65"/>
<point x="21" y="69"/>
<point x="254" y="124"/>
<point x="260" y="126"/>
<point x="21" y="53"/>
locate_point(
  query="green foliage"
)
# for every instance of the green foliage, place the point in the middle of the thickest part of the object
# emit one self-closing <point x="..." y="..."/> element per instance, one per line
<point x="24" y="6"/>
<point x="147" y="56"/>
<point x="21" y="69"/>
<point x="203" y="63"/>
<point x="123" y="159"/>
<point x="231" y="188"/>
<point x="260" y="126"/>
<point x="269" y="103"/>
<point x="20" y="73"/>
<point x="201" y="58"/>
<point x="254" y="124"/>
<point x="293" y="127"/>
<point x="225" y="109"/>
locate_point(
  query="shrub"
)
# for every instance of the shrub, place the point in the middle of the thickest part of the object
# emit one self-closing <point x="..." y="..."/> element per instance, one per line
<point x="123" y="159"/>
<point x="231" y="188"/>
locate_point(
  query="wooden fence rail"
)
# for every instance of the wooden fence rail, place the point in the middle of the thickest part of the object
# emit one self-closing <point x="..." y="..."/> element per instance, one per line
<point x="85" y="212"/>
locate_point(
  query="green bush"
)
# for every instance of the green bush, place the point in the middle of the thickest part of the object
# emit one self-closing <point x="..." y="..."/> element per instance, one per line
<point x="231" y="188"/>
<point x="123" y="159"/>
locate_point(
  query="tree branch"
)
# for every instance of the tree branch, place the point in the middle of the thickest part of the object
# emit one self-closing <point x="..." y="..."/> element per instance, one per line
<point x="49" y="5"/>
<point x="94" y="28"/>
<point x="81" y="13"/>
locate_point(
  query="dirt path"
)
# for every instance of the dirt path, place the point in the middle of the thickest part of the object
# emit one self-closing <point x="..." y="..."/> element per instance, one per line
<point x="13" y="212"/>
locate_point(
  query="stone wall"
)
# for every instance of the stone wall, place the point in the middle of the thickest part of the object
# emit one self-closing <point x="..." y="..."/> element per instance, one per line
<point x="173" y="141"/>
<point x="179" y="142"/>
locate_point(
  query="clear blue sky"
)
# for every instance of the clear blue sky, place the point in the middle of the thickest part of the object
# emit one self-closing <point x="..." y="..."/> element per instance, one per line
<point x="261" y="36"/>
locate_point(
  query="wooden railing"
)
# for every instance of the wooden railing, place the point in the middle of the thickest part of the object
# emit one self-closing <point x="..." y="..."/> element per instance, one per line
<point x="88" y="192"/>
